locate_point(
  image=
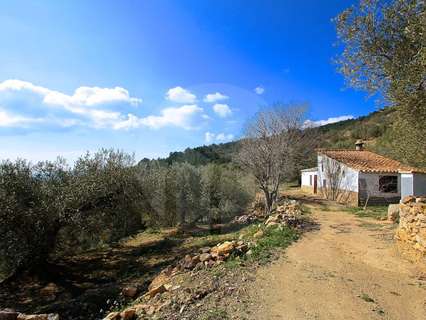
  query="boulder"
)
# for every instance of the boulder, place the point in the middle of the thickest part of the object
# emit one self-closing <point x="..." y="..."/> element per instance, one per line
<point x="51" y="316"/>
<point x="196" y="258"/>
<point x="205" y="257"/>
<point x="159" y="280"/>
<point x="393" y="212"/>
<point x="408" y="199"/>
<point x="188" y="262"/>
<point x="154" y="291"/>
<point x="128" y="314"/>
<point x="129" y="292"/>
<point x="242" y="247"/>
<point x="113" y="316"/>
<point x="223" y="248"/>
<point x="8" y="314"/>
<point x="272" y="219"/>
<point x="205" y="250"/>
<point x="421" y="199"/>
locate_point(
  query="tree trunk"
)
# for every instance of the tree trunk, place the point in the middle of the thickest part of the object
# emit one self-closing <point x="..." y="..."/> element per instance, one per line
<point x="269" y="201"/>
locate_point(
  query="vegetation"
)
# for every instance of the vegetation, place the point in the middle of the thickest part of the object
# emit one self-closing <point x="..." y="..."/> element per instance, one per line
<point x="43" y="203"/>
<point x="274" y="147"/>
<point x="273" y="237"/>
<point x="377" y="212"/>
<point x="51" y="209"/>
<point x="384" y="54"/>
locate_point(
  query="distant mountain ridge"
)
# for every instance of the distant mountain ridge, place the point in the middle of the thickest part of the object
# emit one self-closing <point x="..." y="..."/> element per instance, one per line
<point x="372" y="128"/>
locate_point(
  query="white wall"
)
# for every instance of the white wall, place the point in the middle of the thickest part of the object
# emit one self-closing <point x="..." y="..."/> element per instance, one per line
<point x="349" y="181"/>
<point x="406" y="184"/>
<point x="305" y="178"/>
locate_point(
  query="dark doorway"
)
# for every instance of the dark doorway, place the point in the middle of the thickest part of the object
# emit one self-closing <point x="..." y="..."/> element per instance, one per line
<point x="315" y="183"/>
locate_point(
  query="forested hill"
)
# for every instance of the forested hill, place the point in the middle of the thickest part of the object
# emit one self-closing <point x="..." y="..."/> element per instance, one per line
<point x="214" y="153"/>
<point x="371" y="128"/>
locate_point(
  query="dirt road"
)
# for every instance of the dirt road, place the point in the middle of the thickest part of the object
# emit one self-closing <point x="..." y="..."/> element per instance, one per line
<point x="348" y="269"/>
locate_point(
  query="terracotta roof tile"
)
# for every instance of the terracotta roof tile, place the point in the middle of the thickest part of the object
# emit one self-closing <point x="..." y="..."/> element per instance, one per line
<point x="367" y="161"/>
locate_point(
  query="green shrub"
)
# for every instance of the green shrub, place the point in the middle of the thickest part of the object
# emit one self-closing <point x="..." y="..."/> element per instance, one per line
<point x="273" y="237"/>
<point x="51" y="207"/>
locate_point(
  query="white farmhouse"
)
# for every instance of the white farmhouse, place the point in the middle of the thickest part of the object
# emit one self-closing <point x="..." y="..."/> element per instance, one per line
<point x="357" y="176"/>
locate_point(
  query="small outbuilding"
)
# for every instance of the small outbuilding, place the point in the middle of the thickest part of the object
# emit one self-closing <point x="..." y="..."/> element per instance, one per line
<point x="359" y="176"/>
<point x="309" y="180"/>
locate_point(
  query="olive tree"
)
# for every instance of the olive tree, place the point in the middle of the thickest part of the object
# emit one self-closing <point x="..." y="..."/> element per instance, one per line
<point x="384" y="53"/>
<point x="45" y="205"/>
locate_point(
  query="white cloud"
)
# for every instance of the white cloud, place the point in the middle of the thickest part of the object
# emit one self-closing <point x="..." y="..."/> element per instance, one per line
<point x="220" y="137"/>
<point x="319" y="123"/>
<point x="209" y="137"/>
<point x="83" y="102"/>
<point x="83" y="96"/>
<point x="91" y="96"/>
<point x="259" y="90"/>
<point x="180" y="95"/>
<point x="182" y="117"/>
<point x="92" y="107"/>
<point x="213" y="97"/>
<point x="10" y="120"/>
<point x="222" y="110"/>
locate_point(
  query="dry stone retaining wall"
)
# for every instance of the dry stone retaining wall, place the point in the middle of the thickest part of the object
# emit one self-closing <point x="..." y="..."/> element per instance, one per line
<point x="412" y="224"/>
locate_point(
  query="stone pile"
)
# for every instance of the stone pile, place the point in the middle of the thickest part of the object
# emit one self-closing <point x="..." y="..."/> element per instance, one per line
<point x="9" y="314"/>
<point x="205" y="258"/>
<point x="246" y="219"/>
<point x="412" y="223"/>
<point x="287" y="214"/>
<point x="209" y="257"/>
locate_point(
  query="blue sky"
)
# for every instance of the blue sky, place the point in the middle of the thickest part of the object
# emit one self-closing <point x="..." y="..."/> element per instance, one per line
<point x="151" y="77"/>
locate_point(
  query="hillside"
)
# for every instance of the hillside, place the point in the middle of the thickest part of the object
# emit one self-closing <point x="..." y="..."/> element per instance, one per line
<point x="343" y="134"/>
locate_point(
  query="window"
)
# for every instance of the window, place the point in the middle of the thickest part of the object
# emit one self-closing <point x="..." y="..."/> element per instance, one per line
<point x="310" y="179"/>
<point x="388" y="184"/>
<point x="324" y="183"/>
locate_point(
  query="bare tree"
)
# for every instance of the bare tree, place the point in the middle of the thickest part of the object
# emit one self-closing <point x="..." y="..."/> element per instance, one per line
<point x="273" y="141"/>
<point x="333" y="173"/>
<point x="337" y="186"/>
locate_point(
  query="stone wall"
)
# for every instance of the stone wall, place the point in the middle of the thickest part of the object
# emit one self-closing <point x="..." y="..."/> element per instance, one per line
<point x="411" y="231"/>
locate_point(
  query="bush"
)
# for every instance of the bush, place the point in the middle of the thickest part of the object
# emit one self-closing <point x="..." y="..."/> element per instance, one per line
<point x="49" y="206"/>
<point x="185" y="194"/>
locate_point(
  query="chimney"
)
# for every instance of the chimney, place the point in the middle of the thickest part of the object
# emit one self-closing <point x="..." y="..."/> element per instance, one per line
<point x="359" y="145"/>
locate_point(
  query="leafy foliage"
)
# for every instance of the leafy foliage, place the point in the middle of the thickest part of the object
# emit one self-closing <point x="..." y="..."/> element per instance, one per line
<point x="186" y="194"/>
<point x="49" y="205"/>
<point x="50" y="208"/>
<point x="384" y="53"/>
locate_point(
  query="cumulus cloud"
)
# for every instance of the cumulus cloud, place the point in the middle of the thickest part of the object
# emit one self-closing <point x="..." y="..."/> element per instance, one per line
<point x="92" y="107"/>
<point x="182" y="117"/>
<point x="180" y="95"/>
<point x="213" y="97"/>
<point x="222" y="110"/>
<point x="87" y="102"/>
<point x="220" y="137"/>
<point x="259" y="90"/>
<point x="8" y="120"/>
<point x="319" y="123"/>
<point x="83" y="96"/>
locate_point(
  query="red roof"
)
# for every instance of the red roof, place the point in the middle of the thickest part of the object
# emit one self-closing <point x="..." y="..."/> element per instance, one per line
<point x="367" y="161"/>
